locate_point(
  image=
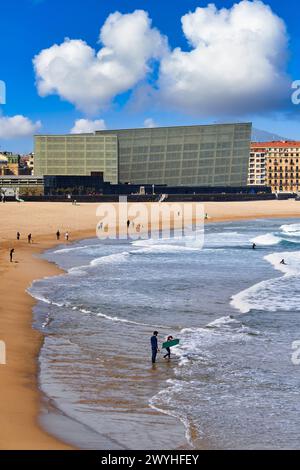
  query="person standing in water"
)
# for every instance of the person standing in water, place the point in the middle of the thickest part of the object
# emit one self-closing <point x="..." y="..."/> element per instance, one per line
<point x="154" y="346"/>
<point x="168" y="355"/>
<point x="254" y="246"/>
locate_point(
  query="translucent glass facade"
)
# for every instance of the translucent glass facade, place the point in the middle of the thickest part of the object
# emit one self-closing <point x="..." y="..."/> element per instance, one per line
<point x="212" y="155"/>
<point x="77" y="155"/>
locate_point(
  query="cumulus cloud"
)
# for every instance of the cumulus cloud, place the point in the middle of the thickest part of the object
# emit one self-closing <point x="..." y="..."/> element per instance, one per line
<point x="149" y="122"/>
<point x="17" y="126"/>
<point x="91" y="79"/>
<point x="86" y="126"/>
<point x="236" y="62"/>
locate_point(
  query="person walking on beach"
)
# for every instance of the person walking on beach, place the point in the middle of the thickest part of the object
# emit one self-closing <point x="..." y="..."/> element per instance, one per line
<point x="57" y="235"/>
<point x="29" y="238"/>
<point x="168" y="355"/>
<point x="154" y="346"/>
<point x="18" y="236"/>
<point x="67" y="236"/>
<point x="11" y="253"/>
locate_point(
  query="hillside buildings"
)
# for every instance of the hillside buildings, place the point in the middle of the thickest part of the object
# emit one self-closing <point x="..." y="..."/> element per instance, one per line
<point x="9" y="164"/>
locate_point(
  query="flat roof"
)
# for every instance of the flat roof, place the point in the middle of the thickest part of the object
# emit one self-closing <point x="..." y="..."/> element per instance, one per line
<point x="175" y="127"/>
<point x="111" y="131"/>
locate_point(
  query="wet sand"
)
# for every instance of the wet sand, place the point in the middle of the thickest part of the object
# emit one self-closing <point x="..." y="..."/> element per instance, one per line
<point x="20" y="399"/>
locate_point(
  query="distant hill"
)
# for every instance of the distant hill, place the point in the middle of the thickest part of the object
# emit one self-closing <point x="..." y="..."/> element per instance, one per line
<point x="263" y="136"/>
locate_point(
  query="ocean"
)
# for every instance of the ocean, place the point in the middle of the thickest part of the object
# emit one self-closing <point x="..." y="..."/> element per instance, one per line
<point x="230" y="384"/>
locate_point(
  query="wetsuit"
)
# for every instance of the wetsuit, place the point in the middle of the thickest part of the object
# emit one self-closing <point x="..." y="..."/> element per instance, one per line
<point x="154" y="346"/>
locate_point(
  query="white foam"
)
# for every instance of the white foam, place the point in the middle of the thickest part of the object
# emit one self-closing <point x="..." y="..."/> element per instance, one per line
<point x="273" y="294"/>
<point x="108" y="317"/>
<point x="227" y="320"/>
<point x="166" y="396"/>
<point x="293" y="230"/>
<point x="269" y="239"/>
<point x="292" y="260"/>
<point x="194" y="241"/>
<point x="196" y="342"/>
<point x="248" y="299"/>
<point x="61" y="251"/>
<point x="117" y="319"/>
<point x="160" y="249"/>
<point x="109" y="259"/>
<point x="44" y="299"/>
<point x="226" y="239"/>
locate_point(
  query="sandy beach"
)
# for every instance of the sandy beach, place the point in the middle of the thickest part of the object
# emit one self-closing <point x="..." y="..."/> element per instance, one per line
<point x="19" y="394"/>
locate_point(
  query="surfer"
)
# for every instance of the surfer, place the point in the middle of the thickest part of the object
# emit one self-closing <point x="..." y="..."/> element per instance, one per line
<point x="282" y="262"/>
<point x="253" y="246"/>
<point x="154" y="346"/>
<point x="168" y="355"/>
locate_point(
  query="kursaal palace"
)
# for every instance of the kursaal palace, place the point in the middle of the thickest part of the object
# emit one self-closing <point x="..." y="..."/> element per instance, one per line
<point x="206" y="155"/>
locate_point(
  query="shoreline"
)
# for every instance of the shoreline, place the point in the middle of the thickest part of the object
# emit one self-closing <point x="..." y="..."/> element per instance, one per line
<point x="20" y="395"/>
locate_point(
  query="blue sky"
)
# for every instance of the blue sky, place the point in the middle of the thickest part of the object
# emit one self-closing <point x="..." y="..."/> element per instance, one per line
<point x="31" y="26"/>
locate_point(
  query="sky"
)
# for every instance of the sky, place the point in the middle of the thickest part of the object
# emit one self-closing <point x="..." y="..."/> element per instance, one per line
<point x="81" y="65"/>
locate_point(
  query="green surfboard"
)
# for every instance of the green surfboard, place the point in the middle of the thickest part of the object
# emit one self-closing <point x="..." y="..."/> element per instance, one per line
<point x="169" y="344"/>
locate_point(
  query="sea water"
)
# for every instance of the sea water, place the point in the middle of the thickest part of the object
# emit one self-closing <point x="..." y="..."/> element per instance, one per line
<point x="231" y="382"/>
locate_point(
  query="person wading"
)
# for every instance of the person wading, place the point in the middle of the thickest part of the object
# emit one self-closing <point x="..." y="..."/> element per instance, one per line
<point x="154" y="346"/>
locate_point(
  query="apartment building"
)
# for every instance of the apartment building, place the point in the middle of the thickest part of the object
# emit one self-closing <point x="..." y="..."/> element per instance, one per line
<point x="257" y="168"/>
<point x="278" y="163"/>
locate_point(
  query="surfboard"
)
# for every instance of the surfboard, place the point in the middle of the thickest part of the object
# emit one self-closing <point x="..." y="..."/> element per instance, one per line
<point x="169" y="344"/>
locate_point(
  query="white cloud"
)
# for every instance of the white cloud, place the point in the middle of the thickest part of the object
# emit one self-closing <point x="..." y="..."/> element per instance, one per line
<point x="90" y="79"/>
<point x="149" y="122"/>
<point x="86" y="126"/>
<point x="236" y="63"/>
<point x="17" y="126"/>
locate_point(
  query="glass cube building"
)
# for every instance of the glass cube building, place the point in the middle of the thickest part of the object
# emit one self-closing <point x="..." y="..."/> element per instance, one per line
<point x="210" y="155"/>
<point x="76" y="155"/>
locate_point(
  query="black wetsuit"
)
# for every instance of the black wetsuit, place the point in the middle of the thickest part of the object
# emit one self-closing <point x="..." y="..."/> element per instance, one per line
<point x="154" y="346"/>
